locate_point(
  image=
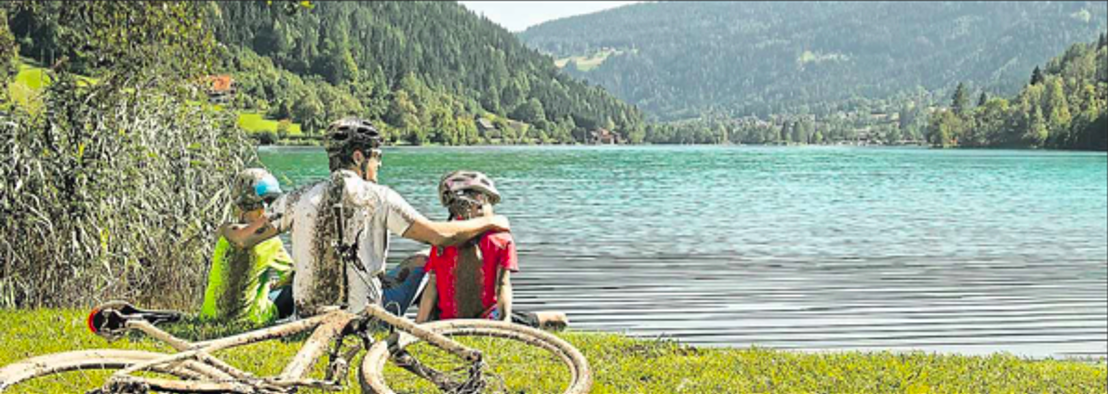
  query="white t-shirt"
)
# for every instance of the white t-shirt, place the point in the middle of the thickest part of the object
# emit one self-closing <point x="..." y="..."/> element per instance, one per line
<point x="371" y="211"/>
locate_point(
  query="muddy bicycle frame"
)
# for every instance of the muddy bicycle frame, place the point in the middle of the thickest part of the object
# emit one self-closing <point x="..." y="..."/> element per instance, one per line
<point x="212" y="375"/>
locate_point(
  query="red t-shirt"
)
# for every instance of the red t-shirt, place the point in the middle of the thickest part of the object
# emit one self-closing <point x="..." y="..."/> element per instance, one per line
<point x="498" y="250"/>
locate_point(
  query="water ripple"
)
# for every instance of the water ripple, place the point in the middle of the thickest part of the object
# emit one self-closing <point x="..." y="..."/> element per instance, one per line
<point x="809" y="249"/>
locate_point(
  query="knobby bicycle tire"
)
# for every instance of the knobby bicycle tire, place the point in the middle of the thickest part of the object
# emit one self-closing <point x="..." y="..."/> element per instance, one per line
<point x="97" y="359"/>
<point x="578" y="379"/>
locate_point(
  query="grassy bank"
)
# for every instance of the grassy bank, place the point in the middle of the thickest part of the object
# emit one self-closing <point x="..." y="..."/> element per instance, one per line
<point x="623" y="365"/>
<point x="31" y="79"/>
<point x="254" y="122"/>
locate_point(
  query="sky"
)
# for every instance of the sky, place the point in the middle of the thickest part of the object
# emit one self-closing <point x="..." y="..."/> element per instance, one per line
<point x="519" y="15"/>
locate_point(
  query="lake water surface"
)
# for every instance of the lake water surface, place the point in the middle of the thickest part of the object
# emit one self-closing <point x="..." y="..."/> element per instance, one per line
<point x="799" y="248"/>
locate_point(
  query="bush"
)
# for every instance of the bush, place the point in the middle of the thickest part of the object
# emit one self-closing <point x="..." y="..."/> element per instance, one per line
<point x="8" y="51"/>
<point x="266" y="137"/>
<point x="113" y="198"/>
<point x="115" y="189"/>
<point x="116" y="206"/>
<point x="283" y="128"/>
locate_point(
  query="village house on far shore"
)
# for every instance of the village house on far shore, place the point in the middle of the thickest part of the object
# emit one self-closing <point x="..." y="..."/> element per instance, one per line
<point x="221" y="88"/>
<point x="603" y="136"/>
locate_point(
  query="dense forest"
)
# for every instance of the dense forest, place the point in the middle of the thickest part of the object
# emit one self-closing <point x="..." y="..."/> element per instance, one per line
<point x="434" y="72"/>
<point x="685" y="60"/>
<point x="426" y="70"/>
<point x="1062" y="106"/>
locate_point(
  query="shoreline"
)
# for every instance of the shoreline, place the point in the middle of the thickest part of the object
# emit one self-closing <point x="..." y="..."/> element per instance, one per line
<point x="870" y="146"/>
<point x="284" y="143"/>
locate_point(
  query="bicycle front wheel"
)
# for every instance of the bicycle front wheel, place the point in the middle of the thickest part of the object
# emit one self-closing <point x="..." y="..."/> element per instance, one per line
<point x="516" y="359"/>
<point x="87" y="369"/>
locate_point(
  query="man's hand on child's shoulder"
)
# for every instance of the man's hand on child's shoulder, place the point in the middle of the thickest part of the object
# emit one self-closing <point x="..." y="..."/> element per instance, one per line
<point x="500" y="223"/>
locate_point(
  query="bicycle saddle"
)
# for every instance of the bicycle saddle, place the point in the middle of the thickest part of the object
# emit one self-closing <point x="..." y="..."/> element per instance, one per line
<point x="109" y="320"/>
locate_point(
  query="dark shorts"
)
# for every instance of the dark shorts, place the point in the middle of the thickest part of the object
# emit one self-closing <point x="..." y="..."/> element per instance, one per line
<point x="282" y="298"/>
<point x="400" y="287"/>
<point x="402" y="284"/>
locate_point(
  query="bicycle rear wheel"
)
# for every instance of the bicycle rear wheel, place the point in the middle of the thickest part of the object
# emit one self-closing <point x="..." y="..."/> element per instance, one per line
<point x="517" y="359"/>
<point x="85" y="369"/>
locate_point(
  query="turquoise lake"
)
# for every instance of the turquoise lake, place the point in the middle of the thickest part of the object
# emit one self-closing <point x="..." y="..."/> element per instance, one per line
<point x="821" y="248"/>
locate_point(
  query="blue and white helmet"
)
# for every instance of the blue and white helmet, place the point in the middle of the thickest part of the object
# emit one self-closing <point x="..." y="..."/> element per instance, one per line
<point x="254" y="187"/>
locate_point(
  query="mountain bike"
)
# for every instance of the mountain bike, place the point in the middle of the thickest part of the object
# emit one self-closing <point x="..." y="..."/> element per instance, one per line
<point x="452" y="356"/>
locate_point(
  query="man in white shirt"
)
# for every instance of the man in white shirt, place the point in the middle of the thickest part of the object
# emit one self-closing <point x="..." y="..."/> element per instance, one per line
<point x="337" y="261"/>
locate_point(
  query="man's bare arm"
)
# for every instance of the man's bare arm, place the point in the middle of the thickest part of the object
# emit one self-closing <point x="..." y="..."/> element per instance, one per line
<point x="456" y="232"/>
<point x="244" y="236"/>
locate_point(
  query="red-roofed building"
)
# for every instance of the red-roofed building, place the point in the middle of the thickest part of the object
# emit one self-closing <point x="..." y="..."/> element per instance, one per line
<point x="604" y="137"/>
<point x="221" y="88"/>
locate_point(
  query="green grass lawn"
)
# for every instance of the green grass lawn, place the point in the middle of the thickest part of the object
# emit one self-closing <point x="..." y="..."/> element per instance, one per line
<point x="31" y="79"/>
<point x="255" y="122"/>
<point x="624" y="365"/>
<point x="26" y="85"/>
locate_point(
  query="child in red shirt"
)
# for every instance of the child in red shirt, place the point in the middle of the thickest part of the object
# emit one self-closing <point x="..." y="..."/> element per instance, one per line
<point x="473" y="280"/>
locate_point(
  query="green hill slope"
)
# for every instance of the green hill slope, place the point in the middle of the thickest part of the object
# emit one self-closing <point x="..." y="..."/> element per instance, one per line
<point x="683" y="59"/>
<point x="425" y="70"/>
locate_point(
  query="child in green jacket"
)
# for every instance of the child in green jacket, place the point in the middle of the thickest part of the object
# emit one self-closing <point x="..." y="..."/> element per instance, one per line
<point x="249" y="284"/>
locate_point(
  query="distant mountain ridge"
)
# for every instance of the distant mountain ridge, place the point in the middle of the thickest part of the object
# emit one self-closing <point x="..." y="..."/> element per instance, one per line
<point x="679" y="60"/>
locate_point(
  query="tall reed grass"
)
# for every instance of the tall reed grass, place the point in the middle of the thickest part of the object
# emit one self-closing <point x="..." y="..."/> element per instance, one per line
<point x="112" y="193"/>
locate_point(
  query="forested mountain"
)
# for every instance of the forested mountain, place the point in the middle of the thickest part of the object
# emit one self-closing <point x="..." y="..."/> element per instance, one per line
<point x="426" y="69"/>
<point x="678" y="60"/>
<point x="1063" y="106"/>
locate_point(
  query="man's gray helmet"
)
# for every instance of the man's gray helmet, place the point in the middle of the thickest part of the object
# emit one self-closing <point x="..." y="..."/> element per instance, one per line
<point x="347" y="135"/>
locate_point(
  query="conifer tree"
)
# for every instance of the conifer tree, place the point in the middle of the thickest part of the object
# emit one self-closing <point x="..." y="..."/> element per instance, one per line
<point x="1037" y="76"/>
<point x="960" y="100"/>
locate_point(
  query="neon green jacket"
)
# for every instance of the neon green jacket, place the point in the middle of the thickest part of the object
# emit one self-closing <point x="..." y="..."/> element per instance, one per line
<point x="240" y="281"/>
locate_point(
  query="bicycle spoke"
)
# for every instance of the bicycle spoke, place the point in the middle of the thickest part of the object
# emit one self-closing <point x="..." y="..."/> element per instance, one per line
<point x="510" y="366"/>
<point x="76" y="381"/>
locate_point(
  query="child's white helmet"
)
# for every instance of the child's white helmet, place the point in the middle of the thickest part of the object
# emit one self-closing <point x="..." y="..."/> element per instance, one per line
<point x="456" y="183"/>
